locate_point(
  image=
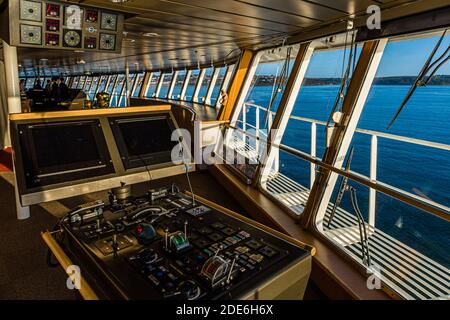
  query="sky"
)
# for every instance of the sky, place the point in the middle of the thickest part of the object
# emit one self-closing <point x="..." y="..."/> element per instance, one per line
<point x="400" y="58"/>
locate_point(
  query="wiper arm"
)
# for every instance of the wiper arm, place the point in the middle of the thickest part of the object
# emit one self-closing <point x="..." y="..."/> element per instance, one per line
<point x="362" y="229"/>
<point x="419" y="80"/>
<point x="342" y="188"/>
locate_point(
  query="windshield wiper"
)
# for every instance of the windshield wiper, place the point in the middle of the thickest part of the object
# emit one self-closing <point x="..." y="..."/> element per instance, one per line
<point x="342" y="188"/>
<point x="420" y="78"/>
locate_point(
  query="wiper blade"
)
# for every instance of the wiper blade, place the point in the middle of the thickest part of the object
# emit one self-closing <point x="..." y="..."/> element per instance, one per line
<point x="342" y="188"/>
<point x="419" y="80"/>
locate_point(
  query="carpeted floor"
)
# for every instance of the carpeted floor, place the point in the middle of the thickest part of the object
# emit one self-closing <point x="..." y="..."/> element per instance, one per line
<point x="6" y="160"/>
<point x="24" y="273"/>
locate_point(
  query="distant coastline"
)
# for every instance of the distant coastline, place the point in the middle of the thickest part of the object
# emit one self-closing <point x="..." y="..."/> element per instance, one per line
<point x="440" y="80"/>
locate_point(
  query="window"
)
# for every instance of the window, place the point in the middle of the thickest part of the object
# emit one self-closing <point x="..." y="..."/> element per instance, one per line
<point x="191" y="86"/>
<point x="115" y="96"/>
<point x="408" y="244"/>
<point x="153" y="83"/>
<point x="112" y="82"/>
<point x="166" y="80"/>
<point x="81" y="82"/>
<point x="102" y="84"/>
<point x="205" y="85"/>
<point x="93" y="88"/>
<point x="176" y="94"/>
<point x="138" y="85"/>
<point x="218" y="85"/>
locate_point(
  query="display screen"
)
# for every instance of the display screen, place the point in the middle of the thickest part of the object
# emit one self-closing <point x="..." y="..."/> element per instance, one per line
<point x="144" y="141"/>
<point x="63" y="151"/>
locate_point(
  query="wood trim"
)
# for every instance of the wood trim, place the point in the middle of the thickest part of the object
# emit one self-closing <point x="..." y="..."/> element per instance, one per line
<point x="85" y="289"/>
<point x="236" y="85"/>
<point x="86" y="113"/>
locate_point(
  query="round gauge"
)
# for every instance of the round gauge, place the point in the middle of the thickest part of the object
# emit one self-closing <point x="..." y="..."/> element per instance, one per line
<point x="107" y="41"/>
<point x="30" y="10"/>
<point x="108" y="21"/>
<point x="30" y="34"/>
<point x="72" y="38"/>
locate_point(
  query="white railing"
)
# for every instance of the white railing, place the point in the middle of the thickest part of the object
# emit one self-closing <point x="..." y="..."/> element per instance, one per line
<point x="373" y="153"/>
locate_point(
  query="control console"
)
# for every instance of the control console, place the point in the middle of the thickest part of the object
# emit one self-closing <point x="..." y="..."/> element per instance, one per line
<point x="167" y="245"/>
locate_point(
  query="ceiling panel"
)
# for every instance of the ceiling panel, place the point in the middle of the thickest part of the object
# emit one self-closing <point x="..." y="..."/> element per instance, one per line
<point x="191" y="32"/>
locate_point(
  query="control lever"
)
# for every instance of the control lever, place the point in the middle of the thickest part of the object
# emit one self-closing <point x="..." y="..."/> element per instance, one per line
<point x="232" y="267"/>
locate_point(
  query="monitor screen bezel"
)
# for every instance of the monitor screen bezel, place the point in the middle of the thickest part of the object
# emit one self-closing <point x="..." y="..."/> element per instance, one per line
<point x="145" y="160"/>
<point x="37" y="177"/>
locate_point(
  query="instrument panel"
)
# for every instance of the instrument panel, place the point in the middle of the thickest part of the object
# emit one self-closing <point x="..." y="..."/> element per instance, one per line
<point x="165" y="245"/>
<point x="39" y="23"/>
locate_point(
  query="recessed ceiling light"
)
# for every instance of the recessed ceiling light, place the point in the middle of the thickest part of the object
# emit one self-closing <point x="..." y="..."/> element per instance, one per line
<point x="150" y="34"/>
<point x="79" y="51"/>
<point x="118" y="1"/>
<point x="81" y="62"/>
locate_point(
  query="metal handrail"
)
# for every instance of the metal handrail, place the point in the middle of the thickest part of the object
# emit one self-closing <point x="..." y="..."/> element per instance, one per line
<point x="421" y="203"/>
<point x="380" y="134"/>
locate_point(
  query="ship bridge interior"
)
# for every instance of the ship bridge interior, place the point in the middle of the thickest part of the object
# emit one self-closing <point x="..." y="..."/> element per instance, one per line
<point x="233" y="149"/>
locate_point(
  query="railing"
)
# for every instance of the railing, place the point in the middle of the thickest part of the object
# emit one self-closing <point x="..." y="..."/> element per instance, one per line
<point x="370" y="181"/>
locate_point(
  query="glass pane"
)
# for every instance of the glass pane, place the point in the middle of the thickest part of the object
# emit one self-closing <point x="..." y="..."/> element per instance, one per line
<point x="176" y="94"/>
<point x="153" y="84"/>
<point x="167" y="78"/>
<point x="81" y="82"/>
<point x="138" y="86"/>
<point x="192" y="82"/>
<point x="218" y="85"/>
<point x="204" y="85"/>
<point x="102" y="84"/>
<point x="112" y="82"/>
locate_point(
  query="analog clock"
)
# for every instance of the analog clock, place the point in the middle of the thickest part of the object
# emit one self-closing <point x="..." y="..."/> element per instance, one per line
<point x="30" y="34"/>
<point x="107" y="41"/>
<point x="108" y="21"/>
<point x="72" y="38"/>
<point x="30" y="10"/>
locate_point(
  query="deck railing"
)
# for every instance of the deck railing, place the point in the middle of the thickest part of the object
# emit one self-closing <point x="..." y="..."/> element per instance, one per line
<point x="442" y="210"/>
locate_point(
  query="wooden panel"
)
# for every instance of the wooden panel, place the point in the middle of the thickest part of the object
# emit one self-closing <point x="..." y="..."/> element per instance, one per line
<point x="236" y="85"/>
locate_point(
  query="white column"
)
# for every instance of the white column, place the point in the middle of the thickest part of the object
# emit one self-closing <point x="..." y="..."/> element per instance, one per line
<point x="201" y="76"/>
<point x="14" y="106"/>
<point x="373" y="177"/>
<point x="160" y="83"/>
<point x="172" y="84"/>
<point x="313" y="153"/>
<point x="187" y="77"/>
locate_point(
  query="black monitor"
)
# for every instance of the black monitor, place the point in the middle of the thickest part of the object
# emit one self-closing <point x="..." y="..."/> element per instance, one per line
<point x="57" y="152"/>
<point x="144" y="141"/>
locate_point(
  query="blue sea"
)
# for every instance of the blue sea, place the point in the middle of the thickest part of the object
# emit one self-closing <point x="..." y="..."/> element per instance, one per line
<point x="417" y="169"/>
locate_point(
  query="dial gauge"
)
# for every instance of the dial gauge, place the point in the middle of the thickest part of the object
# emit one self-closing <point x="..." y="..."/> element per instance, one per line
<point x="30" y="10"/>
<point x="108" y="21"/>
<point x="30" y="34"/>
<point x="72" y="38"/>
<point x="107" y="41"/>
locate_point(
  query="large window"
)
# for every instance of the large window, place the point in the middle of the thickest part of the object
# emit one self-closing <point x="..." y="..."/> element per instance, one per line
<point x="166" y="80"/>
<point x="205" y="85"/>
<point x="102" y="84"/>
<point x="176" y="94"/>
<point x="138" y="85"/>
<point x="218" y="85"/>
<point x="115" y="95"/>
<point x="410" y="245"/>
<point x="153" y="83"/>
<point x="191" y="86"/>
